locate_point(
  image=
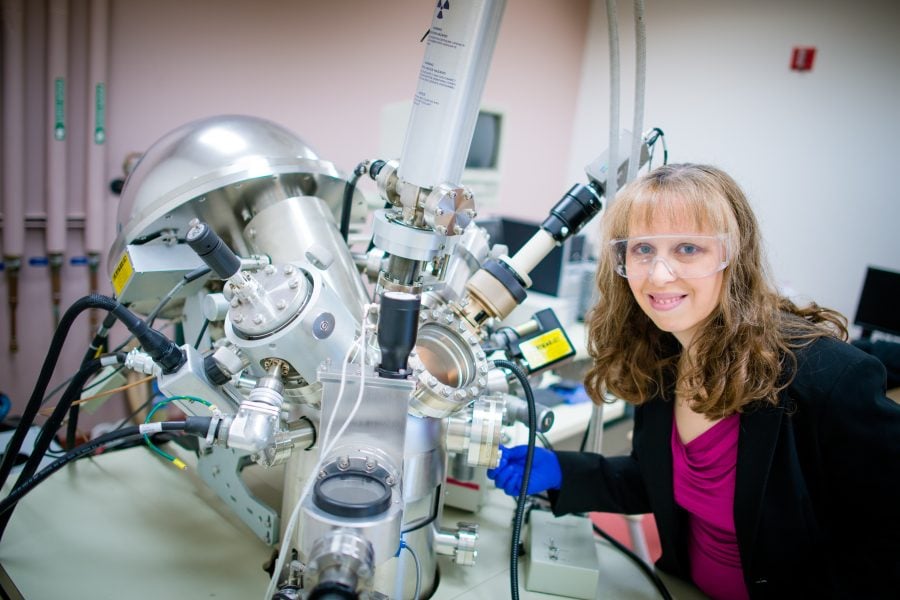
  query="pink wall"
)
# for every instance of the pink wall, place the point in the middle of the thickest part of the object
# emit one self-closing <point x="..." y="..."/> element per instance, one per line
<point x="323" y="69"/>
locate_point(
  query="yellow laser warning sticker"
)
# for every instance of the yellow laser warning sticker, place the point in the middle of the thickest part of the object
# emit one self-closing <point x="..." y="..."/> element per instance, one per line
<point x="122" y="275"/>
<point x="546" y="348"/>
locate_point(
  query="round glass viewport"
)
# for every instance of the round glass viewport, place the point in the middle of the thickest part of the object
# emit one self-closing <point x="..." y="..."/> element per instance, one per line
<point x="352" y="494"/>
<point x="445" y="356"/>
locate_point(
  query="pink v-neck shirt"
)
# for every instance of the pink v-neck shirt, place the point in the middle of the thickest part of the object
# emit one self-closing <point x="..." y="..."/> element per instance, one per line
<point x="704" y="473"/>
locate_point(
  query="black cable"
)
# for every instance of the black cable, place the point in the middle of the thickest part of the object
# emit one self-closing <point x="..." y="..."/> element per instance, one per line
<point x="95" y="349"/>
<point x="54" y="422"/>
<point x="73" y="408"/>
<point x="34" y="403"/>
<point x="546" y="443"/>
<point x="418" y="526"/>
<point x="9" y="503"/>
<point x="163" y="351"/>
<point x="186" y="279"/>
<point x="584" y="438"/>
<point x="347" y="205"/>
<point x="526" y="476"/>
<point x="644" y="567"/>
<point x="135" y="413"/>
<point x="200" y="335"/>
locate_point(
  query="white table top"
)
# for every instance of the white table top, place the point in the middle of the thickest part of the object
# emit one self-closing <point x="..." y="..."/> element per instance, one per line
<point x="128" y="525"/>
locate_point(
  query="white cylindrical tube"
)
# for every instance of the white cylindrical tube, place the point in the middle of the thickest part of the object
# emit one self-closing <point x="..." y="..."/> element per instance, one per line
<point x="13" y="128"/>
<point x="640" y="77"/>
<point x="533" y="252"/>
<point x="95" y="180"/>
<point x="612" y="171"/>
<point x="57" y="76"/>
<point x="459" y="47"/>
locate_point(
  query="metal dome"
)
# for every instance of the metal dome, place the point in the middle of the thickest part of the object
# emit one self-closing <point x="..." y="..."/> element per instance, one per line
<point x="224" y="170"/>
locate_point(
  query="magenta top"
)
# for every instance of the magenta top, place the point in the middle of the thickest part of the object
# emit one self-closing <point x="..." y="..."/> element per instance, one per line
<point x="704" y="471"/>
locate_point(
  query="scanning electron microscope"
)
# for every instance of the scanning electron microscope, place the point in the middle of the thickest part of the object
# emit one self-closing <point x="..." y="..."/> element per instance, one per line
<point x="369" y="378"/>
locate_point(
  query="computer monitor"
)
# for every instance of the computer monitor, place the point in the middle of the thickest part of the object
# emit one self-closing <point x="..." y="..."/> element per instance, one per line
<point x="878" y="309"/>
<point x="482" y="171"/>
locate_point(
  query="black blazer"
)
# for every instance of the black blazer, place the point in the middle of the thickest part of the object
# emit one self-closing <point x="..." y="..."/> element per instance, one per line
<point x="817" y="491"/>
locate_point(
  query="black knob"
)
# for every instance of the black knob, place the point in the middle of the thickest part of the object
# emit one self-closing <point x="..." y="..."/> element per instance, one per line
<point x="398" y="324"/>
<point x="214" y="252"/>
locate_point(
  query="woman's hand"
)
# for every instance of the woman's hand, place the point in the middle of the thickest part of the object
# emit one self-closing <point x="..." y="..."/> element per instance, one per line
<point x="545" y="471"/>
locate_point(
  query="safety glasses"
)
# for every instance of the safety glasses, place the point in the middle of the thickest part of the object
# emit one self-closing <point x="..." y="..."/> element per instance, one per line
<point x="686" y="256"/>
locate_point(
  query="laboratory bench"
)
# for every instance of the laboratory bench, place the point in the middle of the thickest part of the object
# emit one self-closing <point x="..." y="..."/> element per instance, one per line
<point x="127" y="524"/>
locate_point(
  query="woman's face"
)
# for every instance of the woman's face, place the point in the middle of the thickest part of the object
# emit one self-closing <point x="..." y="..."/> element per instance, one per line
<point x="674" y="304"/>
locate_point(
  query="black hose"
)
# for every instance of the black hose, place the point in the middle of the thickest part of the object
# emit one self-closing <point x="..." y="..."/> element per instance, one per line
<point x="53" y="423"/>
<point x="24" y="487"/>
<point x="163" y="351"/>
<point x="644" y="567"/>
<point x="124" y="435"/>
<point x="95" y="349"/>
<point x="347" y="205"/>
<point x="37" y="395"/>
<point x="526" y="476"/>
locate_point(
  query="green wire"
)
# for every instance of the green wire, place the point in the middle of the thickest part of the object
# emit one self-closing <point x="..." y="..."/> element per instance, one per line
<point x="159" y="405"/>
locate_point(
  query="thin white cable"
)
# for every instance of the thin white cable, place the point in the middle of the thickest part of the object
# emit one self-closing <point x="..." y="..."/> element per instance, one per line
<point x="295" y="514"/>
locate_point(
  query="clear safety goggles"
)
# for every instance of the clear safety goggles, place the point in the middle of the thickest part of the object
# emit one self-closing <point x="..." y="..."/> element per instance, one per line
<point x="686" y="256"/>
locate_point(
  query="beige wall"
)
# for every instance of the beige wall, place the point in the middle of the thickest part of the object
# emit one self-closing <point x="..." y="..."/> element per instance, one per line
<point x="323" y="69"/>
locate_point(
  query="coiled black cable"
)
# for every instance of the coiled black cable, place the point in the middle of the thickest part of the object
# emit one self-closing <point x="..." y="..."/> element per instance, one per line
<point x="526" y="476"/>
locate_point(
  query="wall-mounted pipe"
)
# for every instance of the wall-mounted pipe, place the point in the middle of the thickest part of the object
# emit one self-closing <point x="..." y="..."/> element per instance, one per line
<point x="57" y="82"/>
<point x="640" y="77"/>
<point x="13" y="153"/>
<point x="612" y="180"/>
<point x="95" y="186"/>
<point x="95" y="178"/>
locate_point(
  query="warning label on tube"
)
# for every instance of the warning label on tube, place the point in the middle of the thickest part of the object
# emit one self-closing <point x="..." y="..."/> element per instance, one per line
<point x="122" y="274"/>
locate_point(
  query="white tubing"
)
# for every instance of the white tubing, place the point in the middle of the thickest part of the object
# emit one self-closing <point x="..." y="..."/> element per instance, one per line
<point x="57" y="82"/>
<point x="612" y="177"/>
<point x="458" y="52"/>
<point x="533" y="252"/>
<point x="327" y="444"/>
<point x="13" y="128"/>
<point x="95" y="180"/>
<point x="640" y="79"/>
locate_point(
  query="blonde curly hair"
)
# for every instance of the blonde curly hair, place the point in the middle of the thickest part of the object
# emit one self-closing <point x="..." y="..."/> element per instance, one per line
<point x="743" y="352"/>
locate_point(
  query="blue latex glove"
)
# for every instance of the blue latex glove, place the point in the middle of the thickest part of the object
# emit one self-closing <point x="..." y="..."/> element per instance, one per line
<point x="545" y="471"/>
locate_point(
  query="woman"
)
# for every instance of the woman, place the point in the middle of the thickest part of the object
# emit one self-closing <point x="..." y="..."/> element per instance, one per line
<point x="763" y="443"/>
